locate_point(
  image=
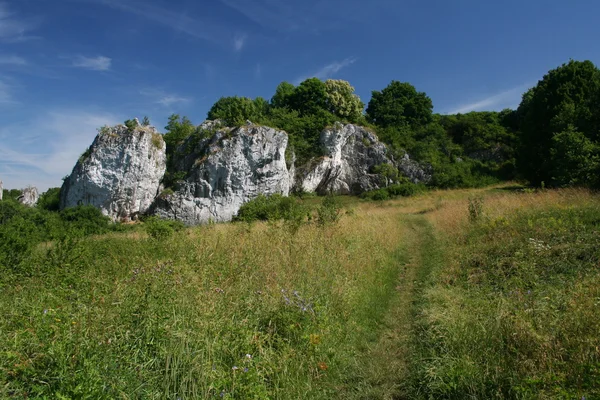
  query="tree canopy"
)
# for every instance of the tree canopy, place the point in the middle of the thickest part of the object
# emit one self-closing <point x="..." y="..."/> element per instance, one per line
<point x="399" y="104"/>
<point x="568" y="96"/>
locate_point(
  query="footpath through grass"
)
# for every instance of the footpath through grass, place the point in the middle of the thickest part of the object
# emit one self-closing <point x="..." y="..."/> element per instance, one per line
<point x="466" y="294"/>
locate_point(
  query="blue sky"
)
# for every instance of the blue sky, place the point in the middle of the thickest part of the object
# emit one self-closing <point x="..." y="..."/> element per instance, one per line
<point x="70" y="66"/>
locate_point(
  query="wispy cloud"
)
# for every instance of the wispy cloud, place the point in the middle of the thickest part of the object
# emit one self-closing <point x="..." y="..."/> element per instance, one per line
<point x="312" y="16"/>
<point x="13" y="28"/>
<point x="6" y="94"/>
<point x="163" y="98"/>
<point x="99" y="63"/>
<point x="12" y="60"/>
<point x="239" y="41"/>
<point x="507" y="99"/>
<point x="180" y="21"/>
<point x="329" y="70"/>
<point x="60" y="137"/>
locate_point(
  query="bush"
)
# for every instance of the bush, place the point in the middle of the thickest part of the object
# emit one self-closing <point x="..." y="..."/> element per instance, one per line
<point x="329" y="211"/>
<point x="271" y="208"/>
<point x="87" y="220"/>
<point x="161" y="229"/>
<point x="402" y="189"/>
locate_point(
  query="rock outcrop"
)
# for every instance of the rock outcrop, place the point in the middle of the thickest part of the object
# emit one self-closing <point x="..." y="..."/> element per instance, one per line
<point x="29" y="196"/>
<point x="120" y="173"/>
<point x="352" y="154"/>
<point x="217" y="169"/>
<point x="1" y="190"/>
<point x="224" y="168"/>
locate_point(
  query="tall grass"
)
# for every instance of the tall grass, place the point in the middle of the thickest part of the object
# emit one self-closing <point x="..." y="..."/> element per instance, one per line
<point x="222" y="311"/>
<point x="514" y="310"/>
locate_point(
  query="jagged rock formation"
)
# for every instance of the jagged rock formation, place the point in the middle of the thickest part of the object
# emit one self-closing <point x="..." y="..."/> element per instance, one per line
<point x="29" y="196"/>
<point x="120" y="173"/>
<point x="225" y="168"/>
<point x="352" y="153"/>
<point x="1" y="190"/>
<point x="217" y="169"/>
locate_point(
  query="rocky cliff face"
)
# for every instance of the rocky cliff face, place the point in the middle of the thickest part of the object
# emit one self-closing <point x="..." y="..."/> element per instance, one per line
<point x="352" y="154"/>
<point x="29" y="196"/>
<point x="120" y="173"/>
<point x="1" y="190"/>
<point x="218" y="169"/>
<point x="225" y="170"/>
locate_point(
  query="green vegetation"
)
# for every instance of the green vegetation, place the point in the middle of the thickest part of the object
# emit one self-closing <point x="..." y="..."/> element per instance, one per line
<point x="566" y="103"/>
<point x="511" y="312"/>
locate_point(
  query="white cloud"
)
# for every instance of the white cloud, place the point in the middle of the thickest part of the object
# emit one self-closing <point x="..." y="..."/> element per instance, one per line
<point x="49" y="148"/>
<point x="329" y="70"/>
<point x="507" y="99"/>
<point x="12" y="60"/>
<point x="13" y="28"/>
<point x="99" y="63"/>
<point x="163" y="98"/>
<point x="239" y="42"/>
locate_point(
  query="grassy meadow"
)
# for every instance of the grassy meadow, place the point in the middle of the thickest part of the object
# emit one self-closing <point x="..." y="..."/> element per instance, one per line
<point x="465" y="294"/>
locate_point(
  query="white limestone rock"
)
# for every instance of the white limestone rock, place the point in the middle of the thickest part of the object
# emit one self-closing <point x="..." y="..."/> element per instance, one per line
<point x="29" y="196"/>
<point x="351" y="154"/>
<point x="224" y="168"/>
<point x="120" y="173"/>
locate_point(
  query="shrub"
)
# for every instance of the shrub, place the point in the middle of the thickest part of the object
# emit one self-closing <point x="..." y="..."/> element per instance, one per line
<point x="329" y="211"/>
<point x="160" y="229"/>
<point x="271" y="208"/>
<point x="87" y="220"/>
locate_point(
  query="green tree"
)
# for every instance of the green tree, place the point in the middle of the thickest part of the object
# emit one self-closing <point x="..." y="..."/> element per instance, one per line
<point x="178" y="130"/>
<point x="399" y="104"/>
<point x="234" y="111"/>
<point x="283" y="93"/>
<point x="574" y="159"/>
<point x="310" y="97"/>
<point x="146" y="121"/>
<point x="342" y="101"/>
<point x="567" y="96"/>
<point x="49" y="200"/>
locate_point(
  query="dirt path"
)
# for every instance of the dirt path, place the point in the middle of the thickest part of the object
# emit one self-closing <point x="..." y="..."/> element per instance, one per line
<point x="384" y="369"/>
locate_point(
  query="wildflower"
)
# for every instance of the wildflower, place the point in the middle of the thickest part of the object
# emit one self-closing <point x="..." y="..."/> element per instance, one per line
<point x="287" y="300"/>
<point x="234" y="368"/>
<point x="249" y="356"/>
<point x="322" y="366"/>
<point x="296" y="293"/>
<point x="246" y="369"/>
<point x="219" y="290"/>
<point x="315" y="339"/>
<point x="45" y="312"/>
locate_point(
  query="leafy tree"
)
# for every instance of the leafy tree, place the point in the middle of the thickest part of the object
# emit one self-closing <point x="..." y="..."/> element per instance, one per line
<point x="49" y="200"/>
<point x="235" y="111"/>
<point x="567" y="96"/>
<point x="146" y="121"/>
<point x="399" y="104"/>
<point x="575" y="159"/>
<point x="283" y="93"/>
<point x="310" y="97"/>
<point x="178" y="130"/>
<point x="342" y="101"/>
